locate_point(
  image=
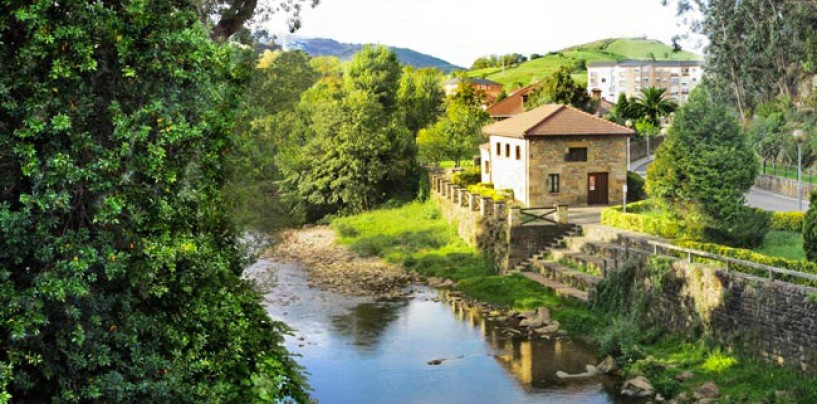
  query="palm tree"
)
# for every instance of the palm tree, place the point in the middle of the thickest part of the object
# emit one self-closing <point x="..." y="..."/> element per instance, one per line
<point x="653" y="104"/>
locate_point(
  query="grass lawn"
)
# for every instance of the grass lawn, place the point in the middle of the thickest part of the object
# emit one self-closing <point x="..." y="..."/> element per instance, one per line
<point x="783" y="244"/>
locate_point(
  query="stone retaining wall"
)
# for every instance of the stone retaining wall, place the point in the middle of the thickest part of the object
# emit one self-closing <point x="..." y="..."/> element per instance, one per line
<point x="783" y="186"/>
<point x="775" y="320"/>
<point x="639" y="148"/>
<point x="492" y="227"/>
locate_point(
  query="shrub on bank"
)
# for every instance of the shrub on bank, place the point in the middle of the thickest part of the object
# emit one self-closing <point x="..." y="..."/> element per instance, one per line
<point x="787" y="221"/>
<point x="636" y="187"/>
<point x="467" y="177"/>
<point x="749" y="255"/>
<point x="635" y="220"/>
<point x="487" y="190"/>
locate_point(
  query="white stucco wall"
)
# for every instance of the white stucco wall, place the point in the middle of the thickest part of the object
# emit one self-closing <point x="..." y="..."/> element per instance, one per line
<point x="506" y="171"/>
<point x="485" y="157"/>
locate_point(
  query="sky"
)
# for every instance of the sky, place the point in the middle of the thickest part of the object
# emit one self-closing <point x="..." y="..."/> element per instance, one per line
<point x="459" y="31"/>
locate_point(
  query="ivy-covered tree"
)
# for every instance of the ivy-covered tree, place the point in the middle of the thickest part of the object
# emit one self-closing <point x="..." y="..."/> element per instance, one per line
<point x="704" y="168"/>
<point x="119" y="269"/>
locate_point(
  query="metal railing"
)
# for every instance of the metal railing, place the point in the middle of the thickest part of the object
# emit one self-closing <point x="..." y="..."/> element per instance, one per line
<point x="731" y="263"/>
<point x="789" y="171"/>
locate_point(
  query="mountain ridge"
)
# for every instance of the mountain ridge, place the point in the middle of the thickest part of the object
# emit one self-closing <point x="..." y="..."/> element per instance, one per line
<point x="344" y="51"/>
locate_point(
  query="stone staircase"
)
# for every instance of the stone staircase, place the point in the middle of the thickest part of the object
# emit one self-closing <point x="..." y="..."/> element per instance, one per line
<point x="573" y="265"/>
<point x="574" y="231"/>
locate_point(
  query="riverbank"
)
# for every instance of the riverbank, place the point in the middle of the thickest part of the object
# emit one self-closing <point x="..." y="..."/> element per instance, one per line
<point x="333" y="266"/>
<point x="416" y="238"/>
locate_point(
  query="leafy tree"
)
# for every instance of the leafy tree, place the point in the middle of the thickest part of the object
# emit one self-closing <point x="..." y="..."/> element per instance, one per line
<point x="810" y="229"/>
<point x="119" y="269"/>
<point x="622" y="111"/>
<point x="652" y="105"/>
<point x="560" y="88"/>
<point x="432" y="144"/>
<point x="704" y="167"/>
<point x="353" y="149"/>
<point x="757" y="49"/>
<point x="420" y="97"/>
<point x="375" y="70"/>
<point x="268" y="120"/>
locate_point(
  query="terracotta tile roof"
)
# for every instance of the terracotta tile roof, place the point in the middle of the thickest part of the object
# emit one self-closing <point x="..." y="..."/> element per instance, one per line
<point x="512" y="105"/>
<point x="555" y="120"/>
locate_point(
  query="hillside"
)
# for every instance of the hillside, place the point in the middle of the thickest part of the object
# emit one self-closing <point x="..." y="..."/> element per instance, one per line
<point x="603" y="50"/>
<point x="344" y="51"/>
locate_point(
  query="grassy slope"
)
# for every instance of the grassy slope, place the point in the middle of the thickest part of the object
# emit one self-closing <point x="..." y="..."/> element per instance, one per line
<point x="611" y="49"/>
<point x="783" y="244"/>
<point x="417" y="236"/>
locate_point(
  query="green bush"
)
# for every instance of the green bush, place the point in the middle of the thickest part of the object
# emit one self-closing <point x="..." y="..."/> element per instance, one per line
<point x="635" y="187"/>
<point x="749" y="255"/>
<point x="810" y="230"/>
<point x="746" y="230"/>
<point x="787" y="221"/>
<point x="634" y="220"/>
<point x="467" y="177"/>
<point x="487" y="190"/>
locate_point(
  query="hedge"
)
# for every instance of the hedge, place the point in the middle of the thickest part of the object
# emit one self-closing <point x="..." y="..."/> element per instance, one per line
<point x="749" y="255"/>
<point x="487" y="190"/>
<point x="467" y="177"/>
<point x="788" y="221"/>
<point x="660" y="226"/>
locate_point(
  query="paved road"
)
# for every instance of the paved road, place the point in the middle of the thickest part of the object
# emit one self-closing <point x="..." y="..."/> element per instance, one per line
<point x="771" y="201"/>
<point x="757" y="198"/>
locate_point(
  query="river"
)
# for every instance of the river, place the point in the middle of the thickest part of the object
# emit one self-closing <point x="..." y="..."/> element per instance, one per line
<point x="357" y="350"/>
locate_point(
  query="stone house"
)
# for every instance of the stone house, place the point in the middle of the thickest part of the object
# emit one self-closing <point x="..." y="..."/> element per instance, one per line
<point x="490" y="89"/>
<point x="557" y="154"/>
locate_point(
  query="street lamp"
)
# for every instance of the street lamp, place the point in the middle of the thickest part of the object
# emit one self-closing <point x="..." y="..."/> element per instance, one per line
<point x="799" y="138"/>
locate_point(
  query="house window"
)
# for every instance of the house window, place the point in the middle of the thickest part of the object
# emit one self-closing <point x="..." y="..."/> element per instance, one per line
<point x="603" y="80"/>
<point x="553" y="183"/>
<point x="576" y="154"/>
<point x="518" y="153"/>
<point x="487" y="167"/>
<point x="507" y="150"/>
<point x="498" y="150"/>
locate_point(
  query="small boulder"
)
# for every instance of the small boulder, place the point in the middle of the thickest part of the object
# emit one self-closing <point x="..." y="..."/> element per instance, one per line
<point x="434" y="282"/>
<point x="435" y="362"/>
<point x="526" y="314"/>
<point x="448" y="284"/>
<point x="494" y="313"/>
<point x="607" y="366"/>
<point x="532" y="323"/>
<point x="638" y="387"/>
<point x="501" y="319"/>
<point x="707" y="390"/>
<point x="686" y="375"/>
<point x="548" y="329"/>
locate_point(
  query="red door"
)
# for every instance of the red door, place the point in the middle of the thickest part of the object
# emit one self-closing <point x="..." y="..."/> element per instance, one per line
<point x="597" y="189"/>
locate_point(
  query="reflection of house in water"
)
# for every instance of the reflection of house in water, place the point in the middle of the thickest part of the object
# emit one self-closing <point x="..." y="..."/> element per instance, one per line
<point x="535" y="362"/>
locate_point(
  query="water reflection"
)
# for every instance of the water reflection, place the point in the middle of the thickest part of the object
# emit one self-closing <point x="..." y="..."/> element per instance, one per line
<point x="357" y="350"/>
<point x="365" y="323"/>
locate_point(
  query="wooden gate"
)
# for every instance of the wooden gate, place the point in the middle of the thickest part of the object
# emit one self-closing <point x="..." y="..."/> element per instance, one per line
<point x="597" y="189"/>
<point x="538" y="214"/>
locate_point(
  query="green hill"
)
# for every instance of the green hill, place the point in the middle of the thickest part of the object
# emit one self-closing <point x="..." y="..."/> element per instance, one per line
<point x="603" y="50"/>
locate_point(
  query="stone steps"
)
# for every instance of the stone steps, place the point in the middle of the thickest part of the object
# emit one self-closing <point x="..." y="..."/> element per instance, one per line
<point x="560" y="288"/>
<point x="566" y="275"/>
<point x="574" y="259"/>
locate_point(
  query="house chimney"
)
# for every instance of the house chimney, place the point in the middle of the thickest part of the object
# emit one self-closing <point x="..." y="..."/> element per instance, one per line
<point x="597" y="94"/>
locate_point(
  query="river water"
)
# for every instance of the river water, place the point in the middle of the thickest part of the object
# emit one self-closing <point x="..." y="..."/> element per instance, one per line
<point x="357" y="350"/>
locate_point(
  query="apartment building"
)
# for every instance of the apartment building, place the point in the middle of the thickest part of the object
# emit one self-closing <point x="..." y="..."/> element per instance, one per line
<point x="630" y="76"/>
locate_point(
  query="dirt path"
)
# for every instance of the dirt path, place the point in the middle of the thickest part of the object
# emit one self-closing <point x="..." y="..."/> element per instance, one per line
<point x="336" y="267"/>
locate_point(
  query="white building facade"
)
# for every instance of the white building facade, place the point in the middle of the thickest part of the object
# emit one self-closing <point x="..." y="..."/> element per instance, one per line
<point x="630" y="76"/>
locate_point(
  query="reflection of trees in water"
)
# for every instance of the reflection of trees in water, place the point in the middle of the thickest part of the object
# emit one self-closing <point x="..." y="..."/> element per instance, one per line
<point x="365" y="323"/>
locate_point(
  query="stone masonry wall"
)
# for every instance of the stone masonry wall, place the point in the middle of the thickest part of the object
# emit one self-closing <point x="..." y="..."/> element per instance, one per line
<point x="784" y="186"/>
<point x="485" y="225"/>
<point x="547" y="156"/>
<point x="775" y="320"/>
